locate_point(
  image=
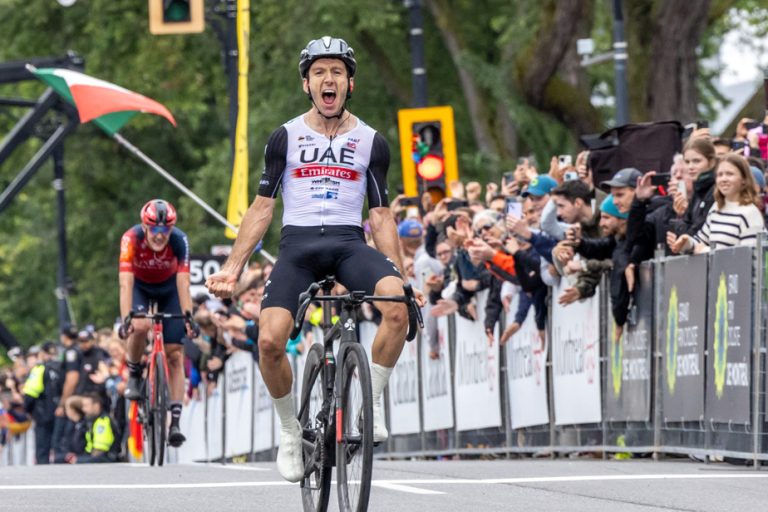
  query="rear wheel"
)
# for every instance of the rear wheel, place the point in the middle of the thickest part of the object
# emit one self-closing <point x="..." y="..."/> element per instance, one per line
<point x="161" y="408"/>
<point x="354" y="436"/>
<point x="315" y="488"/>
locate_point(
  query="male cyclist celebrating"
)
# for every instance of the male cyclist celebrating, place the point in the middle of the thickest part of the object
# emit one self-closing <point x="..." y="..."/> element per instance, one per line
<point x="154" y="266"/>
<point x="327" y="161"/>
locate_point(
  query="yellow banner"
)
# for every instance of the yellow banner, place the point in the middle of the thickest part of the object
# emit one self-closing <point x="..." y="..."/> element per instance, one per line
<point x="238" y="190"/>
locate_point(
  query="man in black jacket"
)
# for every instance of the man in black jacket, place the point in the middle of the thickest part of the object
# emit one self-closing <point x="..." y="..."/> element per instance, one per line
<point x="613" y="245"/>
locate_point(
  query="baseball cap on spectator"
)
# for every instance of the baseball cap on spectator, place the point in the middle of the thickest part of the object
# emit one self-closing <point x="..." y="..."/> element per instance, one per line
<point x="410" y="228"/>
<point x="85" y="335"/>
<point x="540" y="186"/>
<point x="626" y="177"/>
<point x="49" y="347"/>
<point x="609" y="208"/>
<point x="70" y="331"/>
<point x="759" y="178"/>
<point x="33" y="350"/>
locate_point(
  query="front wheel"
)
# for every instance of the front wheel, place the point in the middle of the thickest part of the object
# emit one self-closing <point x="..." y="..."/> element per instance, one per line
<point x="354" y="432"/>
<point x="160" y="409"/>
<point x="316" y="487"/>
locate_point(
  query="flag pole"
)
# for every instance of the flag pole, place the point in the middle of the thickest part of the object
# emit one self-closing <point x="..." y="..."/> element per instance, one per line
<point x="216" y="215"/>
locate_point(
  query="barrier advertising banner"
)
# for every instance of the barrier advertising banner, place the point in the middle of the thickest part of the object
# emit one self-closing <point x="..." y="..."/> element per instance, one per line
<point x="527" y="372"/>
<point x="728" y="337"/>
<point x="192" y="423"/>
<point x="576" y="359"/>
<point x="437" y="394"/>
<point x="476" y="381"/>
<point x="214" y="414"/>
<point x="628" y="396"/>
<point x="682" y="336"/>
<point x="404" y="392"/>
<point x="262" y="416"/>
<point x="239" y="399"/>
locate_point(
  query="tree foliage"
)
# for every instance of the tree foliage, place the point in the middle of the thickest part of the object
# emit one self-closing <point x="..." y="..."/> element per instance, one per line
<point x="509" y="69"/>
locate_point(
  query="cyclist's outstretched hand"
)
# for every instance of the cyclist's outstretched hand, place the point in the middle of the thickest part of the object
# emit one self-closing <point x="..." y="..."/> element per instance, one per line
<point x="222" y="283"/>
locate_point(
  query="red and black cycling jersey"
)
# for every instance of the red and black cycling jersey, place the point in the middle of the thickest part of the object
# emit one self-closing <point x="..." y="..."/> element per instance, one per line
<point x="149" y="266"/>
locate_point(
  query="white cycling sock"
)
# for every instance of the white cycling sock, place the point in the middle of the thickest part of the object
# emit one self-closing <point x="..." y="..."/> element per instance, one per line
<point x="379" y="380"/>
<point x="285" y="410"/>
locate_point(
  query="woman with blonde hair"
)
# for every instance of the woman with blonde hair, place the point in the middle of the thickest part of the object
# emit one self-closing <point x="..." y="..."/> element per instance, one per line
<point x="734" y="218"/>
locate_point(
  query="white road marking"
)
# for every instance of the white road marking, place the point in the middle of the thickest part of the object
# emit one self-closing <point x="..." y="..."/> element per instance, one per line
<point x="403" y="488"/>
<point x="391" y="484"/>
<point x="237" y="467"/>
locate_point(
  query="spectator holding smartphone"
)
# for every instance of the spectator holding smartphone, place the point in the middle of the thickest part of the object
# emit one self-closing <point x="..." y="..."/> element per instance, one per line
<point x="734" y="219"/>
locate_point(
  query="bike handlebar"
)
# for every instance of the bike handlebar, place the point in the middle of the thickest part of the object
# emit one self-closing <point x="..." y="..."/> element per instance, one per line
<point x="414" y="312"/>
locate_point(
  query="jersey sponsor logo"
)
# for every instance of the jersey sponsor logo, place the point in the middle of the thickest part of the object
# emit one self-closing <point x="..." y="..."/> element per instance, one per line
<point x="346" y="156"/>
<point x="306" y="137"/>
<point x="313" y="171"/>
<point x="328" y="194"/>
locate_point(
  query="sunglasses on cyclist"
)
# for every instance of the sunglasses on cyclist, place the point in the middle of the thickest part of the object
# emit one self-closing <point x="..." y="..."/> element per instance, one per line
<point x="159" y="230"/>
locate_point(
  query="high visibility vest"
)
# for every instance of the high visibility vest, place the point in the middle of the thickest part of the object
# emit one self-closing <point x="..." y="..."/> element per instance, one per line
<point x="34" y="385"/>
<point x="100" y="436"/>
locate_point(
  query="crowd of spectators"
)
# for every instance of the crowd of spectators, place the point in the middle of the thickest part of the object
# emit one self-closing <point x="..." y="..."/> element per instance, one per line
<point x="517" y="239"/>
<point x="525" y="235"/>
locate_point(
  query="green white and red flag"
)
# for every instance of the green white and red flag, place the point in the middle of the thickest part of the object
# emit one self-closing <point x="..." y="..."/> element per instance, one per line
<point x="106" y="104"/>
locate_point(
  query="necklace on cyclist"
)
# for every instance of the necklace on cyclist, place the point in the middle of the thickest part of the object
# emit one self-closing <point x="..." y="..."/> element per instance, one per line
<point x="333" y="136"/>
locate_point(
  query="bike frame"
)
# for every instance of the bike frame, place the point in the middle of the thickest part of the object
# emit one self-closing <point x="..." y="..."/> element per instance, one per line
<point x="158" y="347"/>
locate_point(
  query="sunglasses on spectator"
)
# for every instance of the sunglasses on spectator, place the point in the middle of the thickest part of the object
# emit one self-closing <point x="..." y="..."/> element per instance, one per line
<point x="159" y="230"/>
<point x="484" y="227"/>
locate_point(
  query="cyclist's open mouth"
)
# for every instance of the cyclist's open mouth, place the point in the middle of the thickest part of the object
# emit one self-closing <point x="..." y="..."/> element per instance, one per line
<point x="329" y="97"/>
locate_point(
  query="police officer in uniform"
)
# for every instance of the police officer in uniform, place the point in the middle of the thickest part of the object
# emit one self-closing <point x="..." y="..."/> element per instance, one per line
<point x="91" y="365"/>
<point x="102" y="440"/>
<point x="42" y="391"/>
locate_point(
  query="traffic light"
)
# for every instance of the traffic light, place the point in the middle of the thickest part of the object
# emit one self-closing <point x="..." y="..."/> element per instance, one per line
<point x="176" y="16"/>
<point x="428" y="150"/>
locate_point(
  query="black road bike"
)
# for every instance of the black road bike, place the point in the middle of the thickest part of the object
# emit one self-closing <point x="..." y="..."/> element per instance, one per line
<point x="336" y="409"/>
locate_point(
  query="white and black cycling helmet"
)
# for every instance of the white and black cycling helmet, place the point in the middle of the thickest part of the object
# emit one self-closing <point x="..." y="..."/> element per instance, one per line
<point x="327" y="47"/>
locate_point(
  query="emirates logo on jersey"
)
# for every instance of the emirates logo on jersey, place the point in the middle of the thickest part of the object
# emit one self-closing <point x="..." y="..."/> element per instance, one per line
<point x="314" y="171"/>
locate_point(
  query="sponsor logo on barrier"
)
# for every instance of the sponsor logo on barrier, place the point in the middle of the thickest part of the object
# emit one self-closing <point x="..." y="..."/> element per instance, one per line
<point x="721" y="336"/>
<point x="672" y="326"/>
<point x="617" y="356"/>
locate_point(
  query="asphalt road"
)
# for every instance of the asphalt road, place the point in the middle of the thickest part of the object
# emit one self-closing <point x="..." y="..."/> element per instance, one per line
<point x="526" y="485"/>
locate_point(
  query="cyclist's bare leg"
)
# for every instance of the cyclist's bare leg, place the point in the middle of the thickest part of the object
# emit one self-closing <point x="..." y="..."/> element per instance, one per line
<point x="387" y="345"/>
<point x="175" y="356"/>
<point x="137" y="340"/>
<point x="275" y="326"/>
<point x="390" y="337"/>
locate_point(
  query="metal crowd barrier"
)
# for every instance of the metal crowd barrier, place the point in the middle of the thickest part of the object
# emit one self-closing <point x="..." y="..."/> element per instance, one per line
<point x="686" y="378"/>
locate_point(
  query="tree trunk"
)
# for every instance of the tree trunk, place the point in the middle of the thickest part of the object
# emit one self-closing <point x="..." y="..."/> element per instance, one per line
<point x="537" y="67"/>
<point x="474" y="96"/>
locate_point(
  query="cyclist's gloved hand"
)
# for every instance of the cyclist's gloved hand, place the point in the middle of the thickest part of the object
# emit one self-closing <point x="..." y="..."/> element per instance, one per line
<point x="125" y="329"/>
<point x="193" y="330"/>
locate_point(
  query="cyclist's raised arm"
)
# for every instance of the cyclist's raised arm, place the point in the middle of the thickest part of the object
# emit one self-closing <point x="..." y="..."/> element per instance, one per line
<point x="258" y="217"/>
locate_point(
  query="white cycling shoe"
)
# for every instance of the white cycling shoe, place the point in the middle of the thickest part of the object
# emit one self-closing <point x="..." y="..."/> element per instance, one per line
<point x="290" y="464"/>
<point x="380" y="433"/>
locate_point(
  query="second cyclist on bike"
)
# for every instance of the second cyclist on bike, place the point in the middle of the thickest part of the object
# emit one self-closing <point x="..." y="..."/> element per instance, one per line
<point x="154" y="267"/>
